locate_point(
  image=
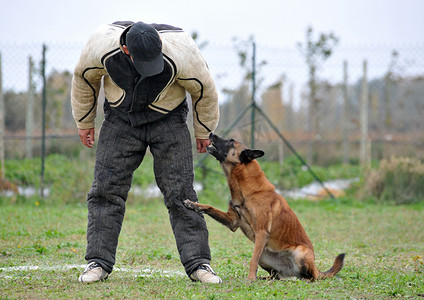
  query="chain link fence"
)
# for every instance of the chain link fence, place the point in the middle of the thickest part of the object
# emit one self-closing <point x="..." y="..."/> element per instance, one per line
<point x="392" y="85"/>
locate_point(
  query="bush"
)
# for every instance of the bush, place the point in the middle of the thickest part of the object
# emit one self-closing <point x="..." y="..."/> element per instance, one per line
<point x="398" y="180"/>
<point x="67" y="180"/>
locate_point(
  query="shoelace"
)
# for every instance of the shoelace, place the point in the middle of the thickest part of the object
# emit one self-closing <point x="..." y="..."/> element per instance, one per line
<point x="207" y="268"/>
<point x="91" y="266"/>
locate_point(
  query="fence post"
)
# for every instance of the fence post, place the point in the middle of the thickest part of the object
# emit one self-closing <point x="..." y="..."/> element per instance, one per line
<point x="43" y="141"/>
<point x="364" y="147"/>
<point x="29" y="123"/>
<point x="345" y="112"/>
<point x="2" y="123"/>
<point x="252" y="133"/>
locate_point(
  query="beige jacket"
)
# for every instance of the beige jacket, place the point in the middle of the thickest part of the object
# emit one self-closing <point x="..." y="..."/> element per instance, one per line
<point x="154" y="97"/>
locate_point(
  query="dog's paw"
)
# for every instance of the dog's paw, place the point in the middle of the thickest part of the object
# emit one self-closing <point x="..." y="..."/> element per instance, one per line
<point x="191" y="205"/>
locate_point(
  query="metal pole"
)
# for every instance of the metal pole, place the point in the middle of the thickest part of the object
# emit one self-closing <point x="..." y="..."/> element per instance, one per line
<point x="252" y="131"/>
<point x="2" y="124"/>
<point x="43" y="141"/>
<point x="29" y="123"/>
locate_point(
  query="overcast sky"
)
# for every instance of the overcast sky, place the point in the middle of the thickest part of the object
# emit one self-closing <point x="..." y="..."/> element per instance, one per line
<point x="274" y="24"/>
<point x="271" y="22"/>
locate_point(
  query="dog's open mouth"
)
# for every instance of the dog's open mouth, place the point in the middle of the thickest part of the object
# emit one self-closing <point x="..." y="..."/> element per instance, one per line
<point x="213" y="150"/>
<point x="211" y="147"/>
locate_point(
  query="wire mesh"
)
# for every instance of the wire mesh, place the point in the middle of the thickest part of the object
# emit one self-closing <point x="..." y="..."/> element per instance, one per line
<point x="395" y="83"/>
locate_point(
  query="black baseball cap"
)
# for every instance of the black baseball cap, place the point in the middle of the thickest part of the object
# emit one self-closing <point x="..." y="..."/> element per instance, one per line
<point x="145" y="47"/>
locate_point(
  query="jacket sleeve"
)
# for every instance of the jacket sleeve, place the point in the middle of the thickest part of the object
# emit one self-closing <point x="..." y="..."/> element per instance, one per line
<point x="86" y="82"/>
<point x="197" y="79"/>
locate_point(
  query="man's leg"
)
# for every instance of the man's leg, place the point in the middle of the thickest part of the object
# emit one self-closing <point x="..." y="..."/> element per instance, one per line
<point x="119" y="153"/>
<point x="170" y="145"/>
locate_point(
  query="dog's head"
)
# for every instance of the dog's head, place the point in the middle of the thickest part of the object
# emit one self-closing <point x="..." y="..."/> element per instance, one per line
<point x="231" y="151"/>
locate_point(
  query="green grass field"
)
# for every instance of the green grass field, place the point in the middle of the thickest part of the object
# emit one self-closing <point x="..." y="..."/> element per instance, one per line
<point x="42" y="254"/>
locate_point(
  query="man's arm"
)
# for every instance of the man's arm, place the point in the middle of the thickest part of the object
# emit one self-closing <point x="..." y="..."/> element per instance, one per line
<point x="195" y="76"/>
<point x="87" y="77"/>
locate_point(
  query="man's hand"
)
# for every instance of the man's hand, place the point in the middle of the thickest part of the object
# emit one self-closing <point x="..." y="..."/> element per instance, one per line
<point x="202" y="144"/>
<point x="87" y="137"/>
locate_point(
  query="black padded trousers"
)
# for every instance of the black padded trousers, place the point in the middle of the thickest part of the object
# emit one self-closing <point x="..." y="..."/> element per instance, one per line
<point x="120" y="150"/>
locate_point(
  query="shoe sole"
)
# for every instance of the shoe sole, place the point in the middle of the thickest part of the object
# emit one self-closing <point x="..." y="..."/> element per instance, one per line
<point x="88" y="282"/>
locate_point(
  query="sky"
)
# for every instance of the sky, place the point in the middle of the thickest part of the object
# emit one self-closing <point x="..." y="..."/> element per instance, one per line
<point x="270" y="22"/>
<point x="273" y="24"/>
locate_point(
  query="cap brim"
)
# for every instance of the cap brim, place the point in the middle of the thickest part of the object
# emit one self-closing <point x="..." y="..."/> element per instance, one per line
<point x="149" y="68"/>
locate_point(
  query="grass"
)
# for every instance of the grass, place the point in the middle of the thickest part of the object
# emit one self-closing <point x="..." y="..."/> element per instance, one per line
<point x="42" y="241"/>
<point x="384" y="246"/>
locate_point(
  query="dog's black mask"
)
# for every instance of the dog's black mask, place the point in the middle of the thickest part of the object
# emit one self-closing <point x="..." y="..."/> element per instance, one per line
<point x="219" y="147"/>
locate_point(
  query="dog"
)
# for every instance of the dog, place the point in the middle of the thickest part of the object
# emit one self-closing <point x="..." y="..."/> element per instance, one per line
<point x="281" y="245"/>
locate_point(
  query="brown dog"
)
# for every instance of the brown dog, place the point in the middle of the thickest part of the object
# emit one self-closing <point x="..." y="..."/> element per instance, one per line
<point x="282" y="246"/>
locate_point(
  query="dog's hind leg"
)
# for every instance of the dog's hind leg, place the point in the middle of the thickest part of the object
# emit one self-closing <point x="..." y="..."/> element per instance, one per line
<point x="229" y="218"/>
<point x="280" y="264"/>
<point x="305" y="260"/>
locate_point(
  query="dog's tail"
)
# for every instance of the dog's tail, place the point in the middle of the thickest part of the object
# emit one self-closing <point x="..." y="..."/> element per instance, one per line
<point x="337" y="266"/>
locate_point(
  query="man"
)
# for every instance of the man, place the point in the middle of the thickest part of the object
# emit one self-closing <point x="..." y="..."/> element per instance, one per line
<point x="146" y="71"/>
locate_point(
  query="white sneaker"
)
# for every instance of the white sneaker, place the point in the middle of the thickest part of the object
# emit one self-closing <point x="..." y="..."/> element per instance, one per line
<point x="93" y="272"/>
<point x="205" y="274"/>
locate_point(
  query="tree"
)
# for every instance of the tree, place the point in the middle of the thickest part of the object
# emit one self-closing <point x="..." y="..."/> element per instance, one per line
<point x="241" y="97"/>
<point x="14" y="106"/>
<point x="272" y="103"/>
<point x="315" y="53"/>
<point x="58" y="95"/>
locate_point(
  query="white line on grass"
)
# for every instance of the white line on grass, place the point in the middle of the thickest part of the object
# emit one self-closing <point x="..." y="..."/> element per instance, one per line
<point x="145" y="272"/>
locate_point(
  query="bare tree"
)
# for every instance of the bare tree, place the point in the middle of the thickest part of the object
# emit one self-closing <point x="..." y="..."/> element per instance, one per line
<point x="315" y="53"/>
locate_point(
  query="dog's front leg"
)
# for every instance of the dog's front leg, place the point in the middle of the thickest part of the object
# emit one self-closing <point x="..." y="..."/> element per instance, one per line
<point x="261" y="239"/>
<point x="229" y="219"/>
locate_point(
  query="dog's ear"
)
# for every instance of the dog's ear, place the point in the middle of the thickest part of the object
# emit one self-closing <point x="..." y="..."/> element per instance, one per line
<point x="247" y="155"/>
